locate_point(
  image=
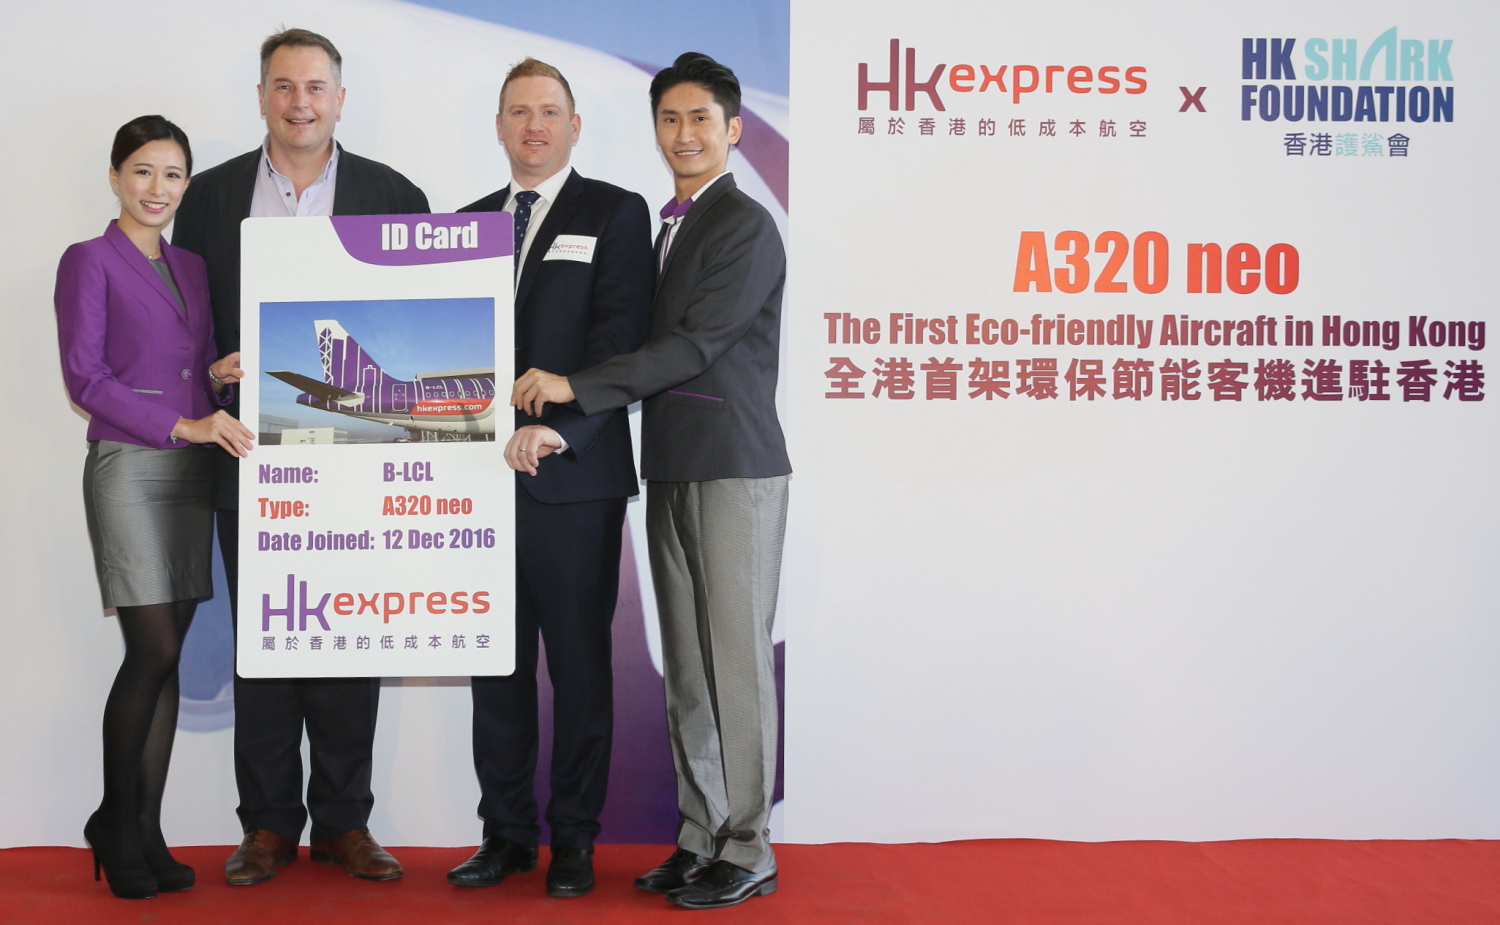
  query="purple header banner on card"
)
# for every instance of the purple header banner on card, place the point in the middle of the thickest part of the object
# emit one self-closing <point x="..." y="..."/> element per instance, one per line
<point x="410" y="240"/>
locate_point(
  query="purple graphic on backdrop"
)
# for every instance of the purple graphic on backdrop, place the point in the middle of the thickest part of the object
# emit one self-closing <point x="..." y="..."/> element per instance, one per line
<point x="206" y="671"/>
<point x="414" y="240"/>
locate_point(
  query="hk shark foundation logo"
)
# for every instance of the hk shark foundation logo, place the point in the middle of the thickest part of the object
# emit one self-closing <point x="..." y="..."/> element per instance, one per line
<point x="1319" y="80"/>
<point x="1317" y="95"/>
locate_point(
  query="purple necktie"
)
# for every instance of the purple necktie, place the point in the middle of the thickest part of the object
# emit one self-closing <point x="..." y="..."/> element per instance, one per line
<point x="676" y="211"/>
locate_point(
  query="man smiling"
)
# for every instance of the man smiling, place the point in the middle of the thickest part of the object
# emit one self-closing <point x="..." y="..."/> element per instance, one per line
<point x="298" y="170"/>
<point x="583" y="294"/>
<point x="715" y="460"/>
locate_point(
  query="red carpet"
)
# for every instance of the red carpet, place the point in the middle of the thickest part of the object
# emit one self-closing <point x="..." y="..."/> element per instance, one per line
<point x="993" y="882"/>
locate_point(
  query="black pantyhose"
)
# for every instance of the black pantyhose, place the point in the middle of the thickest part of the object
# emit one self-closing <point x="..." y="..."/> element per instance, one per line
<point x="140" y="723"/>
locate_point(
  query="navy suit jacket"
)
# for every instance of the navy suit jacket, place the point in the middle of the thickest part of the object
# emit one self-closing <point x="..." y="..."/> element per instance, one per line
<point x="571" y="314"/>
<point x="130" y="357"/>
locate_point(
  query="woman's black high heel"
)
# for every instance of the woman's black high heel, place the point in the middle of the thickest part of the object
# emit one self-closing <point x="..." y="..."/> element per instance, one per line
<point x="124" y="866"/>
<point x="172" y="875"/>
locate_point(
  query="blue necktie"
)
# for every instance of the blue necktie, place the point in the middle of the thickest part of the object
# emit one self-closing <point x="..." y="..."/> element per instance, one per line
<point x="524" y="202"/>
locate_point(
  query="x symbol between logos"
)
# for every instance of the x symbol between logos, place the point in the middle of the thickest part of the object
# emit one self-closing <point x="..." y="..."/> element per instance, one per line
<point x="1192" y="99"/>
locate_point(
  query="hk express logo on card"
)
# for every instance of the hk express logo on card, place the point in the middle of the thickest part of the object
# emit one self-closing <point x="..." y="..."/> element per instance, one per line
<point x="295" y="605"/>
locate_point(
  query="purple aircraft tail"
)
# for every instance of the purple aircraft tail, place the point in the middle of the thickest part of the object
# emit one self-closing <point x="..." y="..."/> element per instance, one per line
<point x="345" y="363"/>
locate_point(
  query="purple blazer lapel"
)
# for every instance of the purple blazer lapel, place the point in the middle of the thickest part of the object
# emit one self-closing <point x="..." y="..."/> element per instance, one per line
<point x="137" y="261"/>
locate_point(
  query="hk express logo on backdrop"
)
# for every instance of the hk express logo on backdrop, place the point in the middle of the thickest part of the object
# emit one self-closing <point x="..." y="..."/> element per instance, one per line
<point x="1390" y="79"/>
<point x="904" y="79"/>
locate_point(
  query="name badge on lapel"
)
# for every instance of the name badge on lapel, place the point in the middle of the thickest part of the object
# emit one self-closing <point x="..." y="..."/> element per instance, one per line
<point x="578" y="247"/>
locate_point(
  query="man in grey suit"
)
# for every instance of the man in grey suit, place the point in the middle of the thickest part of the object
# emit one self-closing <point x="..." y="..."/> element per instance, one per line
<point x="717" y="470"/>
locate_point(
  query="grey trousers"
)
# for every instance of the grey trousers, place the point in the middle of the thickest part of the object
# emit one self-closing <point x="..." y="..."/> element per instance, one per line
<point x="716" y="564"/>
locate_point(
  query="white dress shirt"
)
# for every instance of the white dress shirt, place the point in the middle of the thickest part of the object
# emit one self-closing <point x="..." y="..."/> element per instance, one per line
<point x="547" y="190"/>
<point x="276" y="197"/>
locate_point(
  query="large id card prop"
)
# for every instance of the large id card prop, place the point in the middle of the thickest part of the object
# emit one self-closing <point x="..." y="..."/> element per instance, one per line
<point x="376" y="511"/>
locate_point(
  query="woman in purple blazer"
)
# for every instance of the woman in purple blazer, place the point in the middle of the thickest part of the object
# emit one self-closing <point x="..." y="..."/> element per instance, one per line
<point x="136" y="333"/>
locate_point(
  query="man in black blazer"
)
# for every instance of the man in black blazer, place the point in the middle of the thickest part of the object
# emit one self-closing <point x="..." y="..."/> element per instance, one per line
<point x="299" y="170"/>
<point x="583" y="294"/>
<point x="717" y="470"/>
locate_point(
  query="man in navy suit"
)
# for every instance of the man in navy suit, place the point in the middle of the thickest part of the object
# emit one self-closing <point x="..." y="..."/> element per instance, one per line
<point x="714" y="456"/>
<point x="583" y="294"/>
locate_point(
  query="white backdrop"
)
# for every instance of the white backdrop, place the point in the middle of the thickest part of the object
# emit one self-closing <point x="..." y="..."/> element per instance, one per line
<point x="1012" y="618"/>
<point x="422" y="91"/>
<point x="1120" y="619"/>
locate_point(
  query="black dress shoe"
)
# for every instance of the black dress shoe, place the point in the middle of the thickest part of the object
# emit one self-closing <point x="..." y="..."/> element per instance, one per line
<point x="723" y="884"/>
<point x="571" y="872"/>
<point x="494" y="861"/>
<point x="677" y="871"/>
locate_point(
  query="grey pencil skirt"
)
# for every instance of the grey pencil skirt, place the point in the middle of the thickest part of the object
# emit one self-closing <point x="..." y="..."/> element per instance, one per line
<point x="151" y="519"/>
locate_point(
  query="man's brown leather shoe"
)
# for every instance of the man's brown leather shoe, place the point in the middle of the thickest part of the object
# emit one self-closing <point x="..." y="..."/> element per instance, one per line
<point x="358" y="854"/>
<point x="257" y="857"/>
